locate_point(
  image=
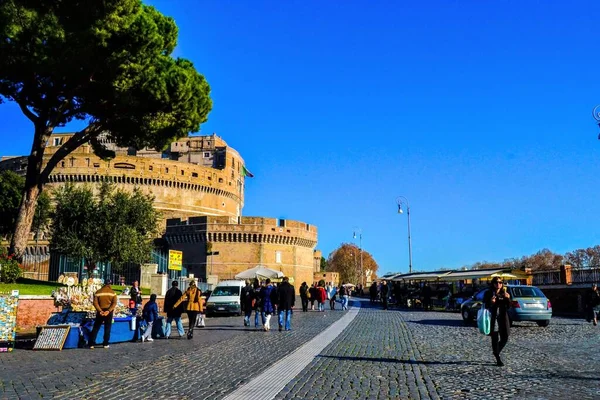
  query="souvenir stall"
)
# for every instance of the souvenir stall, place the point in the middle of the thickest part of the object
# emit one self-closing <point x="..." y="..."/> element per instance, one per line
<point x="8" y="320"/>
<point x="77" y="301"/>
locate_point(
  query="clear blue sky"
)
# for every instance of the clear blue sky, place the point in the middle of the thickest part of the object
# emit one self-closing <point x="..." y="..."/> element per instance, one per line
<point x="478" y="112"/>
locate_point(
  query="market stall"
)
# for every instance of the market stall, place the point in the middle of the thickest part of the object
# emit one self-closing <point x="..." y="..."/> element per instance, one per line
<point x="79" y="313"/>
<point x="8" y="320"/>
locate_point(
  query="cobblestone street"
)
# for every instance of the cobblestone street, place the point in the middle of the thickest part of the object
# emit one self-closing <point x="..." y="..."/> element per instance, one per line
<point x="380" y="355"/>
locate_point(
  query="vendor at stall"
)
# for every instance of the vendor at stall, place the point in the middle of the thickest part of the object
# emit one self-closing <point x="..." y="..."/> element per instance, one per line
<point x="105" y="301"/>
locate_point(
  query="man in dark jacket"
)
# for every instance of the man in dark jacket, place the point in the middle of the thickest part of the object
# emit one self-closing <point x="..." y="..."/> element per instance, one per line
<point x="385" y="291"/>
<point x="304" y="296"/>
<point x="247" y="298"/>
<point x="592" y="304"/>
<point x="287" y="299"/>
<point x="173" y="313"/>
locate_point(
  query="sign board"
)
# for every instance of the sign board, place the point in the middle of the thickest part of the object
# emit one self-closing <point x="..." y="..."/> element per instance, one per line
<point x="175" y="260"/>
<point x="52" y="337"/>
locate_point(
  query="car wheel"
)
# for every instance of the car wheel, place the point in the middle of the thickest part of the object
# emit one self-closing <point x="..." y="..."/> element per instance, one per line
<point x="543" y="323"/>
<point x="466" y="316"/>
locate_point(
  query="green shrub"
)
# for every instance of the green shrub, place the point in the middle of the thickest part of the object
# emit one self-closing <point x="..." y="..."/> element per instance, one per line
<point x="10" y="270"/>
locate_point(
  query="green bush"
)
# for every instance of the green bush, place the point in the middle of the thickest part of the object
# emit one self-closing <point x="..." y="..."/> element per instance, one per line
<point x="10" y="270"/>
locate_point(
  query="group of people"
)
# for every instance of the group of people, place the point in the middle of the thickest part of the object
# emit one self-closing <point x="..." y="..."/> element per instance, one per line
<point x="176" y="302"/>
<point x="266" y="300"/>
<point x="320" y="293"/>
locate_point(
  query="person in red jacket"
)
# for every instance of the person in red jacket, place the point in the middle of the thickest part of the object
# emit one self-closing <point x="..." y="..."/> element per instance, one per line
<point x="321" y="296"/>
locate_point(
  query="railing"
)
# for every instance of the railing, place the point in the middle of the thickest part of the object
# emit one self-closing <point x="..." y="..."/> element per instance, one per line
<point x="546" y="278"/>
<point x="585" y="275"/>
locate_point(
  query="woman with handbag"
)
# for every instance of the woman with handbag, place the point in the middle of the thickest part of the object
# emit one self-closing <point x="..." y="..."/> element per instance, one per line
<point x="194" y="306"/>
<point x="497" y="301"/>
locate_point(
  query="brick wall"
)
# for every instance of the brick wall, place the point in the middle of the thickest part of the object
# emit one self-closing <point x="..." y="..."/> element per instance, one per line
<point x="36" y="310"/>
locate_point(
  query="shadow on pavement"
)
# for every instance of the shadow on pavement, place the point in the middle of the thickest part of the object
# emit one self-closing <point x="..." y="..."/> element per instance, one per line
<point x="395" y="360"/>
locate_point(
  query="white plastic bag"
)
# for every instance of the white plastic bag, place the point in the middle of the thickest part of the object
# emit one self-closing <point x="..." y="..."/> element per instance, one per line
<point x="484" y="320"/>
<point x="200" y="321"/>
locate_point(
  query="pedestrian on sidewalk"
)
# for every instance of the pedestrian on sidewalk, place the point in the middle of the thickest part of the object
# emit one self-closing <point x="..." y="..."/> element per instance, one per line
<point x="267" y="302"/>
<point x="105" y="301"/>
<point x="247" y="298"/>
<point x="331" y="295"/>
<point x="373" y="292"/>
<point x="313" y="294"/>
<point x="592" y="304"/>
<point x="304" y="296"/>
<point x="256" y="303"/>
<point x="194" y="305"/>
<point x="385" y="291"/>
<point x="287" y="299"/>
<point x="497" y="300"/>
<point x="321" y="296"/>
<point x="344" y="297"/>
<point x="173" y="313"/>
<point x="150" y="314"/>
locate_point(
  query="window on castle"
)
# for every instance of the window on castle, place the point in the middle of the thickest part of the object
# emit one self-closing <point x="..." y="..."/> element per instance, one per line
<point x="278" y="257"/>
<point x="206" y="154"/>
<point x="281" y="223"/>
<point x="166" y="170"/>
<point x="182" y="172"/>
<point x="194" y="174"/>
<point x="150" y="168"/>
<point x="220" y="180"/>
<point x="57" y="141"/>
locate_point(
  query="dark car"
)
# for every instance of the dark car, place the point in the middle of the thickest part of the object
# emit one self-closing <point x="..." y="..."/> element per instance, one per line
<point x="528" y="303"/>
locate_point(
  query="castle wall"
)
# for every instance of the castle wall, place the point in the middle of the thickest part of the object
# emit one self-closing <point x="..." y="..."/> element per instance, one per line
<point x="282" y="245"/>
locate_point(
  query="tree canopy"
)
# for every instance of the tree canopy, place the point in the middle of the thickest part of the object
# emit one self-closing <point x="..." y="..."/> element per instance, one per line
<point x="105" y="62"/>
<point x="113" y="226"/>
<point x="346" y="260"/>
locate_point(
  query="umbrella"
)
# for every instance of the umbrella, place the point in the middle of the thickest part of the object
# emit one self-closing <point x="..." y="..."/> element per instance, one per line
<point x="348" y="285"/>
<point x="259" y="272"/>
<point x="504" y="275"/>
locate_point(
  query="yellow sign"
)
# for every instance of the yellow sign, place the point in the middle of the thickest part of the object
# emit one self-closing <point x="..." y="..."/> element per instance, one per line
<point x="175" y="258"/>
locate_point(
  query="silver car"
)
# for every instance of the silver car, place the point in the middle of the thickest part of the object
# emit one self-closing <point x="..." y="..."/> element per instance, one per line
<point x="528" y="303"/>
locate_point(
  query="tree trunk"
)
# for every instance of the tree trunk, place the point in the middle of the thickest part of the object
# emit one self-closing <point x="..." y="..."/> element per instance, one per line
<point x="33" y="188"/>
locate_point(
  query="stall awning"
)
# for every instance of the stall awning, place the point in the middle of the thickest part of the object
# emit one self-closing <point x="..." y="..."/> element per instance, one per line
<point x="423" y="276"/>
<point x="472" y="274"/>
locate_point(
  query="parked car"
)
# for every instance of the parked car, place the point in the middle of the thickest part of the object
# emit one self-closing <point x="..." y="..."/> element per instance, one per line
<point x="528" y="303"/>
<point x="225" y="298"/>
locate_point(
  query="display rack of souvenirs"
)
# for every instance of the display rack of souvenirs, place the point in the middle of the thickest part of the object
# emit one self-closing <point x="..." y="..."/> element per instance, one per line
<point x="80" y="298"/>
<point x="8" y="320"/>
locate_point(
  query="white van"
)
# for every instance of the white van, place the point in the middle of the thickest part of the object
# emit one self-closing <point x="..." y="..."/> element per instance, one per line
<point x="225" y="298"/>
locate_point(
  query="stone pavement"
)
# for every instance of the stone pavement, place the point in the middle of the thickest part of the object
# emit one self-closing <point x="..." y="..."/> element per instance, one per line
<point x="380" y="355"/>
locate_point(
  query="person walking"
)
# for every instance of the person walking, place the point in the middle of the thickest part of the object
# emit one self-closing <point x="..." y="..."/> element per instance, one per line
<point x="321" y="296"/>
<point x="331" y="295"/>
<point x="105" y="301"/>
<point x="313" y="293"/>
<point x="267" y="304"/>
<point x="150" y="314"/>
<point x="592" y="304"/>
<point x="246" y="302"/>
<point x="173" y="313"/>
<point x="304" y="296"/>
<point x="385" y="291"/>
<point x="256" y="300"/>
<point x="286" y="302"/>
<point x="194" y="306"/>
<point x="497" y="301"/>
<point x="373" y="292"/>
<point x="344" y="297"/>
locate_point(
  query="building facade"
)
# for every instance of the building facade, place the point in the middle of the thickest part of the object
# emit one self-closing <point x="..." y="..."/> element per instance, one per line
<point x="198" y="186"/>
<point x="243" y="243"/>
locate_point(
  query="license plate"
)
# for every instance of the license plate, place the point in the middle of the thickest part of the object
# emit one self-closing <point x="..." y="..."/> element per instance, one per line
<point x="221" y="308"/>
<point x="533" y="305"/>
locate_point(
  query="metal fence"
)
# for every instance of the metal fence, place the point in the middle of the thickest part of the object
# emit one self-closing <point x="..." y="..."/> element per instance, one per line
<point x="578" y="275"/>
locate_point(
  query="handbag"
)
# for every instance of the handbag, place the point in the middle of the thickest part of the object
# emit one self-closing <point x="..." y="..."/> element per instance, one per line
<point x="200" y="321"/>
<point x="484" y="320"/>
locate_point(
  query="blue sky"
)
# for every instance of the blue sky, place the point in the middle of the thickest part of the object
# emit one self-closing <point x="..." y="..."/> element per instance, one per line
<point x="478" y="112"/>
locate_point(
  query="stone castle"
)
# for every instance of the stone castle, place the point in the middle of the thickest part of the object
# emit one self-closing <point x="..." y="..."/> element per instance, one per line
<point x="198" y="186"/>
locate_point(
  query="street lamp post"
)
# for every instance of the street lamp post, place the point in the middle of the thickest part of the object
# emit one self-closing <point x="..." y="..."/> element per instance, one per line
<point x="401" y="200"/>
<point x="359" y="230"/>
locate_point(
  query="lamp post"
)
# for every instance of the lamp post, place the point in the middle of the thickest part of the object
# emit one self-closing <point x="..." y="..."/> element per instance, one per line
<point x="401" y="200"/>
<point x="596" y="116"/>
<point x="359" y="230"/>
